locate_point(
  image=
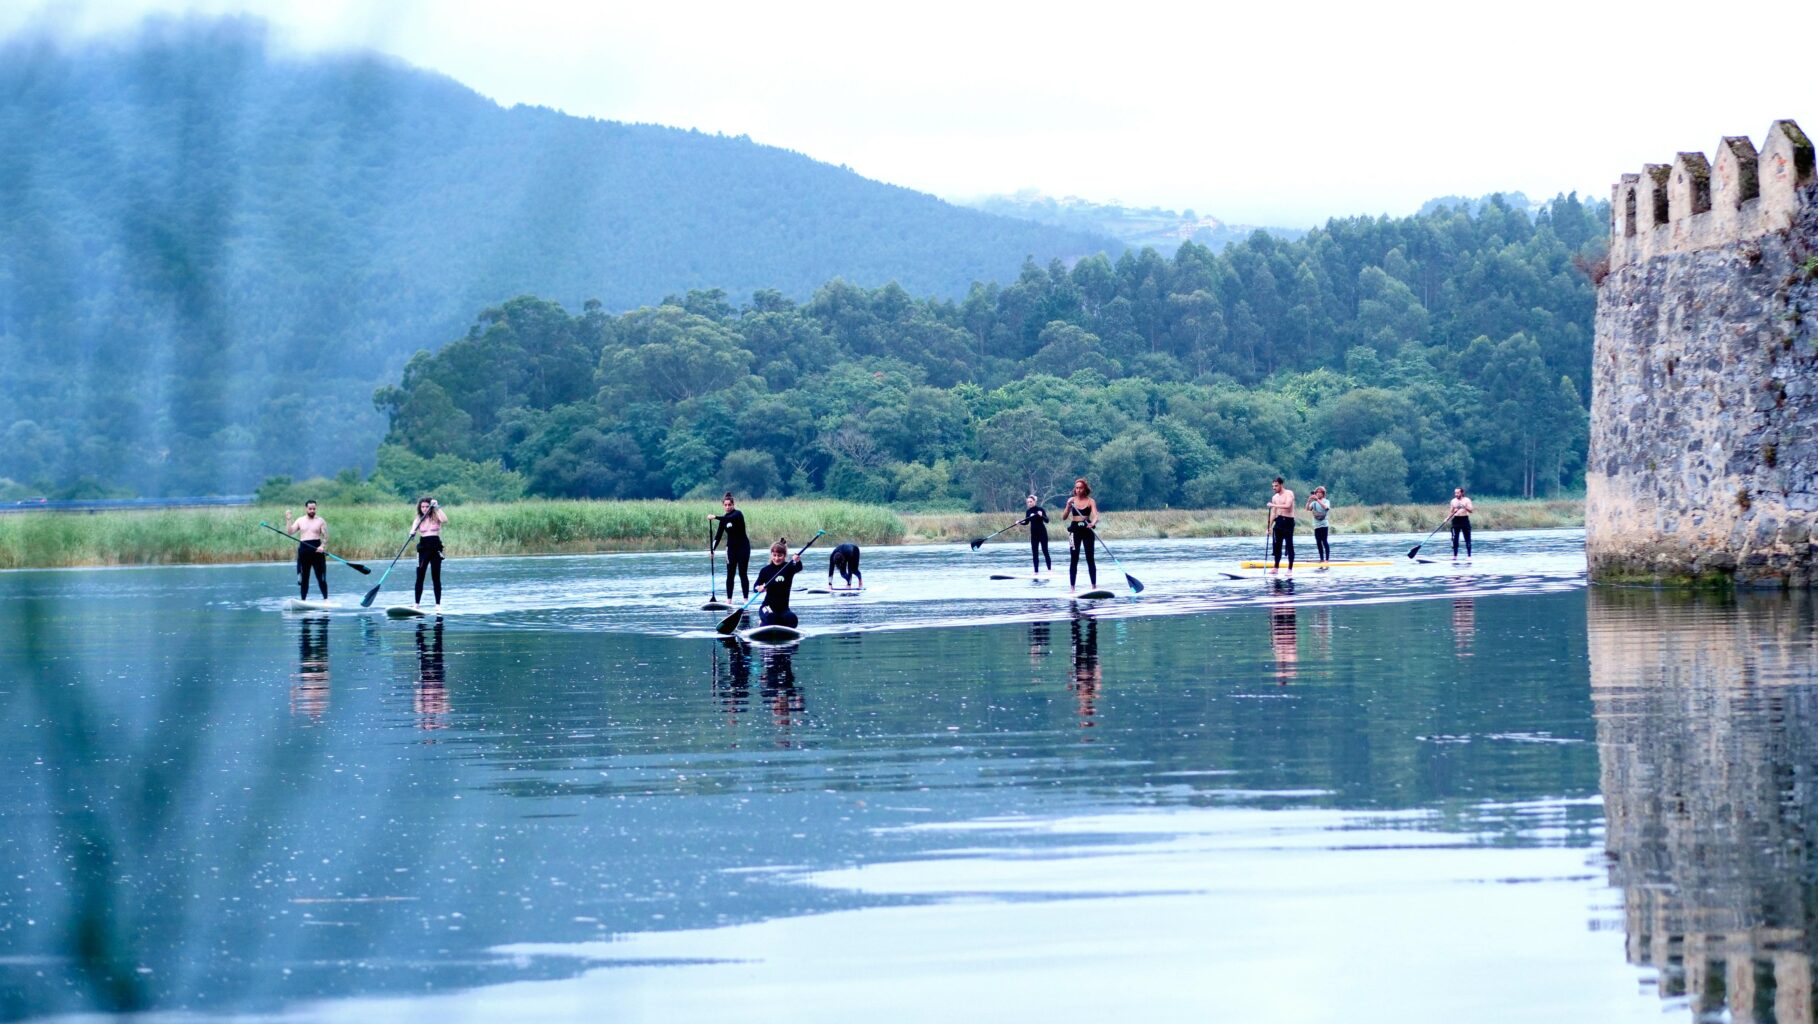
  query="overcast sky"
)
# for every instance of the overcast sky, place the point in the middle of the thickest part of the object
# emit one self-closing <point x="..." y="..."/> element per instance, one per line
<point x="1278" y="116"/>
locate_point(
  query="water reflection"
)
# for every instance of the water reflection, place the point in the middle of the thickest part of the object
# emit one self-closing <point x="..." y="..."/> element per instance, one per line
<point x="788" y="709"/>
<point x="1088" y="677"/>
<point x="1284" y="630"/>
<point x="1464" y="624"/>
<point x="430" y="694"/>
<point x="309" y="683"/>
<point x="1707" y="728"/>
<point x="781" y="697"/>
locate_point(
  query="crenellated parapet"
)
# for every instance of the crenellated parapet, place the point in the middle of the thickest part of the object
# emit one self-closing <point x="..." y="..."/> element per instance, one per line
<point x="1690" y="204"/>
<point x="1703" y="460"/>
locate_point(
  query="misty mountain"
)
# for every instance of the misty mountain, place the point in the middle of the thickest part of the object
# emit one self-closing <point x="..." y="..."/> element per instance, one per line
<point x="1137" y="227"/>
<point x="212" y="251"/>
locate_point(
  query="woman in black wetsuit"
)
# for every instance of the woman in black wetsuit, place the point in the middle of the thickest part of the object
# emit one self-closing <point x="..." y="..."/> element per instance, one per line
<point x="845" y="561"/>
<point x="1082" y="518"/>
<point x="1037" y="518"/>
<point x="738" y="545"/>
<point x="775" y="580"/>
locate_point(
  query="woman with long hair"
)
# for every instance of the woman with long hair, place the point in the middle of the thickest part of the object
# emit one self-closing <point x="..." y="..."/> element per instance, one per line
<point x="1081" y="514"/>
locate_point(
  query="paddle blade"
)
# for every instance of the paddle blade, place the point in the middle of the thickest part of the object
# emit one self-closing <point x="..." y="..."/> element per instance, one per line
<point x="1415" y="550"/>
<point x="977" y="542"/>
<point x="366" y="602"/>
<point x="1136" y="585"/>
<point x="1233" y="576"/>
<point x="361" y="569"/>
<point x="730" y="623"/>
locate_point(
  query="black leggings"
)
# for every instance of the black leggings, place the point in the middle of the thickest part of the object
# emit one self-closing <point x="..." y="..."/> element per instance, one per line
<point x="738" y="560"/>
<point x="429" y="559"/>
<point x="1284" y="536"/>
<point x="1038" y="551"/>
<point x="1319" y="538"/>
<point x="310" y="557"/>
<point x="1082" y="538"/>
<point x="767" y="617"/>
<point x="1461" y="525"/>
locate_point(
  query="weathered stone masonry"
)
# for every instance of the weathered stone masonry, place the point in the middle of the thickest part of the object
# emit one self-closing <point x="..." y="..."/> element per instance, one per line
<point x="1704" y="379"/>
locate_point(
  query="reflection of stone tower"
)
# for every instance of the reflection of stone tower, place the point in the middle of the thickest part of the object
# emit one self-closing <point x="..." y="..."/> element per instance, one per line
<point x="1707" y="728"/>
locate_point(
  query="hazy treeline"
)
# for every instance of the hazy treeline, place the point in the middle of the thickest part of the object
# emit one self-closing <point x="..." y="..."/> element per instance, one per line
<point x="211" y="251"/>
<point x="1384" y="357"/>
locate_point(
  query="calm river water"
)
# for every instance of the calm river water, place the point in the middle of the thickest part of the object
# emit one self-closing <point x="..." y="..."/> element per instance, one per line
<point x="1415" y="792"/>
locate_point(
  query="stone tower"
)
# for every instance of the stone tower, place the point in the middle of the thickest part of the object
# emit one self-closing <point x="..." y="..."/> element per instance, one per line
<point x="1704" y="379"/>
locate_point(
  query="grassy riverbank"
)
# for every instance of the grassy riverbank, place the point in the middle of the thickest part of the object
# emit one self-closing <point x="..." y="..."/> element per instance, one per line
<point x="1492" y="514"/>
<point x="368" y="533"/>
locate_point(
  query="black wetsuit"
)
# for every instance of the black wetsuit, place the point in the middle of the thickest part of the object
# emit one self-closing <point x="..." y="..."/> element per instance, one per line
<point x="429" y="560"/>
<point x="1284" y="535"/>
<point x="775" y="580"/>
<point x="1038" y="538"/>
<point x="1461" y="527"/>
<point x="311" y="557"/>
<point x="845" y="561"/>
<point x="738" y="550"/>
<point x="1082" y="539"/>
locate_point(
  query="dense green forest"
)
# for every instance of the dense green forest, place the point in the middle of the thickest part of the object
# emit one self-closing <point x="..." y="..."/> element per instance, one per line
<point x="211" y="250"/>
<point x="1387" y="358"/>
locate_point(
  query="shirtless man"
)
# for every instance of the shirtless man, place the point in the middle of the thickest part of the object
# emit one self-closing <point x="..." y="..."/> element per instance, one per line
<point x="311" y="531"/>
<point x="1280" y="526"/>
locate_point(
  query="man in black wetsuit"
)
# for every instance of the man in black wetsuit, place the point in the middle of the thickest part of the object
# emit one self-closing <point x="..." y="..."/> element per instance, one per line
<point x="738" y="545"/>
<point x="775" y="580"/>
<point x="845" y="561"/>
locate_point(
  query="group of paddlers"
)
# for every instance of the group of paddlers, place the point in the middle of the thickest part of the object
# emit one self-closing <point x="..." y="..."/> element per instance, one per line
<point x="774" y="580"/>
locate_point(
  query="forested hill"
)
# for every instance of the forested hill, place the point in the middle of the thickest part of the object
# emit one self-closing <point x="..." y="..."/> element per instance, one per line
<point x="1386" y="358"/>
<point x="212" y="252"/>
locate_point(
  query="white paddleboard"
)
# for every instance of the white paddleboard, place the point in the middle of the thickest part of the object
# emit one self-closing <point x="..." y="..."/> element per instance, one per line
<point x="294" y="605"/>
<point x="772" y="634"/>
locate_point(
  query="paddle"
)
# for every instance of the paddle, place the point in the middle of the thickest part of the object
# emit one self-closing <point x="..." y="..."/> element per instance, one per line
<point x="1415" y="550"/>
<point x="714" y="603"/>
<point x="730" y="623"/>
<point x="1136" y="585"/>
<point x="355" y="566"/>
<point x="978" y="541"/>
<point x="366" y="602"/>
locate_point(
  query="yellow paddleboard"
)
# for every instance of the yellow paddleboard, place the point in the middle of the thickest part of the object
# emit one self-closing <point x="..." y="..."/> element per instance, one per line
<point x="1312" y="565"/>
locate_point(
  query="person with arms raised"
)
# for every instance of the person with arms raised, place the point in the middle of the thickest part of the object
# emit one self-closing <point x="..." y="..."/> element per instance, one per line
<point x="1319" y="506"/>
<point x="430" y="519"/>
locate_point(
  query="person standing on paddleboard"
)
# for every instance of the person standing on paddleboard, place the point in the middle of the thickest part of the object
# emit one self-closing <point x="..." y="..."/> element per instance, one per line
<point x="1037" y="518"/>
<point x="430" y="518"/>
<point x="1280" y="526"/>
<point x="845" y="561"/>
<point x="1320" y="507"/>
<point x="311" y="531"/>
<point x="774" y="580"/>
<point x="1081" y="514"/>
<point x="738" y="545"/>
<point x="1460" y="515"/>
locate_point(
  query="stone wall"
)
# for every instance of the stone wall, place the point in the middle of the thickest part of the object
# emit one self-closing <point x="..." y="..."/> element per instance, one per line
<point x="1704" y="380"/>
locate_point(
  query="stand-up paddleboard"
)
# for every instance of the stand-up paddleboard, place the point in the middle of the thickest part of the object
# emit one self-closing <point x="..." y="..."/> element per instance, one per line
<point x="716" y="606"/>
<point x="1037" y="578"/>
<point x="1311" y="565"/>
<point x="772" y="634"/>
<point x="407" y="611"/>
<point x="1094" y="595"/>
<point x="843" y="591"/>
<point x="294" y="605"/>
<point x="1443" y="561"/>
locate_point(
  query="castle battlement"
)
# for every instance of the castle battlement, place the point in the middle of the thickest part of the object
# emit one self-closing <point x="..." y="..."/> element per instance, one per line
<point x="1689" y="204"/>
